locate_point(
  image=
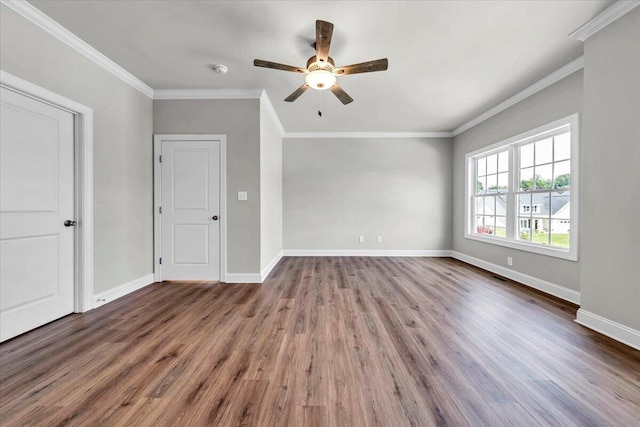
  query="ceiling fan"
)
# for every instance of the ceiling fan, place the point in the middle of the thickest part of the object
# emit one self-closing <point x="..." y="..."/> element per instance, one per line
<point x="321" y="70"/>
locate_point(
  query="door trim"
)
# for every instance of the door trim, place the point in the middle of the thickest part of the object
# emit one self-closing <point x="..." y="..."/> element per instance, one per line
<point x="83" y="185"/>
<point x="157" y="197"/>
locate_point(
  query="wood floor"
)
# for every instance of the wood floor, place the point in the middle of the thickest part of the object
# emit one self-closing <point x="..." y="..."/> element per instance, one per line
<point x="324" y="342"/>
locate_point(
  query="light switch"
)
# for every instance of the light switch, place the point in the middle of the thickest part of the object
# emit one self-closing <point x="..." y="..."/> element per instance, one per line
<point x="242" y="195"/>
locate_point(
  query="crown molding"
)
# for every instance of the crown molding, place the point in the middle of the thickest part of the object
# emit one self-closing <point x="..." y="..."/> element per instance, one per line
<point x="332" y="135"/>
<point x="559" y="74"/>
<point x="614" y="12"/>
<point x="266" y="103"/>
<point x="175" y="94"/>
<point x="34" y="15"/>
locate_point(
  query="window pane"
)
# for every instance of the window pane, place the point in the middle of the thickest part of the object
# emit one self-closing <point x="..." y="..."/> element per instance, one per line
<point x="501" y="226"/>
<point x="539" y="235"/>
<point x="562" y="146"/>
<point x="481" y="225"/>
<point x="524" y="204"/>
<point x="503" y="161"/>
<point x="560" y="206"/>
<point x="479" y="222"/>
<point x="489" y="224"/>
<point x="481" y="185"/>
<point x="492" y="183"/>
<point x="560" y="233"/>
<point x="482" y="166"/>
<point x="524" y="229"/>
<point x="479" y="206"/>
<point x="503" y="181"/>
<point x="543" y="151"/>
<point x="543" y="177"/>
<point x="492" y="164"/>
<point x="526" y="179"/>
<point x="562" y="174"/>
<point x="541" y="208"/>
<point x="489" y="207"/>
<point x="501" y="205"/>
<point x="526" y="155"/>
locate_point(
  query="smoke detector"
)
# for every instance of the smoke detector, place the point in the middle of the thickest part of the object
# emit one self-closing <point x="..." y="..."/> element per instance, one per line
<point x="220" y="68"/>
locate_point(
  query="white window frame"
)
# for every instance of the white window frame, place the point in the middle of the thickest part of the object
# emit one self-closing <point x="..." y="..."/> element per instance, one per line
<point x="512" y="205"/>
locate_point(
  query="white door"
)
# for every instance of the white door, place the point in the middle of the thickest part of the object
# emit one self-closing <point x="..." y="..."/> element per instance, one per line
<point x="190" y="210"/>
<point x="36" y="198"/>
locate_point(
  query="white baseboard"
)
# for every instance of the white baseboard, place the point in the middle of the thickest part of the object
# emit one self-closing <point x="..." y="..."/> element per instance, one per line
<point x="533" y="282"/>
<point x="615" y="330"/>
<point x="243" y="278"/>
<point x="122" y="290"/>
<point x="366" y="252"/>
<point x="270" y="266"/>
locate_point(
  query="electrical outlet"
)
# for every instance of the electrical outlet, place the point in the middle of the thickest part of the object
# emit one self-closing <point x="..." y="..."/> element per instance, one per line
<point x="242" y="195"/>
<point x="509" y="260"/>
<point x="361" y="239"/>
<point x="379" y="239"/>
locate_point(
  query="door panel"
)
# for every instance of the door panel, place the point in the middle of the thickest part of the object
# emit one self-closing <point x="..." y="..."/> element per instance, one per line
<point x="190" y="199"/>
<point x="190" y="179"/>
<point x="191" y="243"/>
<point x="36" y="197"/>
<point x="32" y="262"/>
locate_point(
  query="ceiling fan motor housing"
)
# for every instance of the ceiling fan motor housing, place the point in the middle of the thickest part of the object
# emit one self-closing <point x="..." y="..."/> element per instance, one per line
<point x="320" y="74"/>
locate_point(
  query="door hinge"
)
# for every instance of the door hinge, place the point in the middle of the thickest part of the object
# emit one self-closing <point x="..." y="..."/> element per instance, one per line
<point x="160" y="209"/>
<point x="160" y="261"/>
<point x="160" y="159"/>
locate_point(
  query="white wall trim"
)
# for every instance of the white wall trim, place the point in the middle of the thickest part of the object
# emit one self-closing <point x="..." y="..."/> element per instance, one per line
<point x="267" y="270"/>
<point x="118" y="292"/>
<point x="559" y="74"/>
<point x="83" y="153"/>
<point x="614" y="12"/>
<point x="176" y="94"/>
<point x="34" y="15"/>
<point x="533" y="282"/>
<point x="243" y="278"/>
<point x="327" y="135"/>
<point x="366" y="252"/>
<point x="266" y="103"/>
<point x="157" y="197"/>
<point x="615" y="330"/>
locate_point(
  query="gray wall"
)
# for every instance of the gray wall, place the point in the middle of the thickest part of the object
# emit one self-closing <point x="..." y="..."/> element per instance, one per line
<point x="270" y="189"/>
<point x="338" y="189"/>
<point x="239" y="120"/>
<point x="610" y="264"/>
<point x="558" y="100"/>
<point x="123" y="209"/>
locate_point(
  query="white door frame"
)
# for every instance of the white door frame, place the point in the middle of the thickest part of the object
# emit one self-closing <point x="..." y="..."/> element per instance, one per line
<point x="83" y="185"/>
<point x="157" y="197"/>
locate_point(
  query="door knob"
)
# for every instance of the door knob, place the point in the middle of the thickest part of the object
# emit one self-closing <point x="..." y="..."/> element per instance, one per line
<point x="70" y="223"/>
<point x="215" y="217"/>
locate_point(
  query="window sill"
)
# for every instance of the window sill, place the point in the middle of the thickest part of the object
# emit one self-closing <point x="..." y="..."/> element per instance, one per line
<point x="527" y="247"/>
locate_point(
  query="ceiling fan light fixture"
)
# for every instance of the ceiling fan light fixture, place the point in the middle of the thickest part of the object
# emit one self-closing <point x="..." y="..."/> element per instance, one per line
<point x="321" y="70"/>
<point x="320" y="79"/>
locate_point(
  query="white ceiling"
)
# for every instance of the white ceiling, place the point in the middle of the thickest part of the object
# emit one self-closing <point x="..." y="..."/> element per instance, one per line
<point x="448" y="60"/>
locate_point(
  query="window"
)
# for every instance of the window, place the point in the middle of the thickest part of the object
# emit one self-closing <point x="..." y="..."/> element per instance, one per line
<point x="522" y="192"/>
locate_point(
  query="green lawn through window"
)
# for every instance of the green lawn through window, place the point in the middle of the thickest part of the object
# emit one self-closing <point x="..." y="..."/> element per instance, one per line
<point x="557" y="239"/>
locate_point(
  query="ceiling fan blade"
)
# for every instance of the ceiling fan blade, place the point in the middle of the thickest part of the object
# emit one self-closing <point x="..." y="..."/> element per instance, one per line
<point x="276" y="66"/>
<point x="324" y="31"/>
<point x="364" y="67"/>
<point x="341" y="94"/>
<point x="296" y="94"/>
